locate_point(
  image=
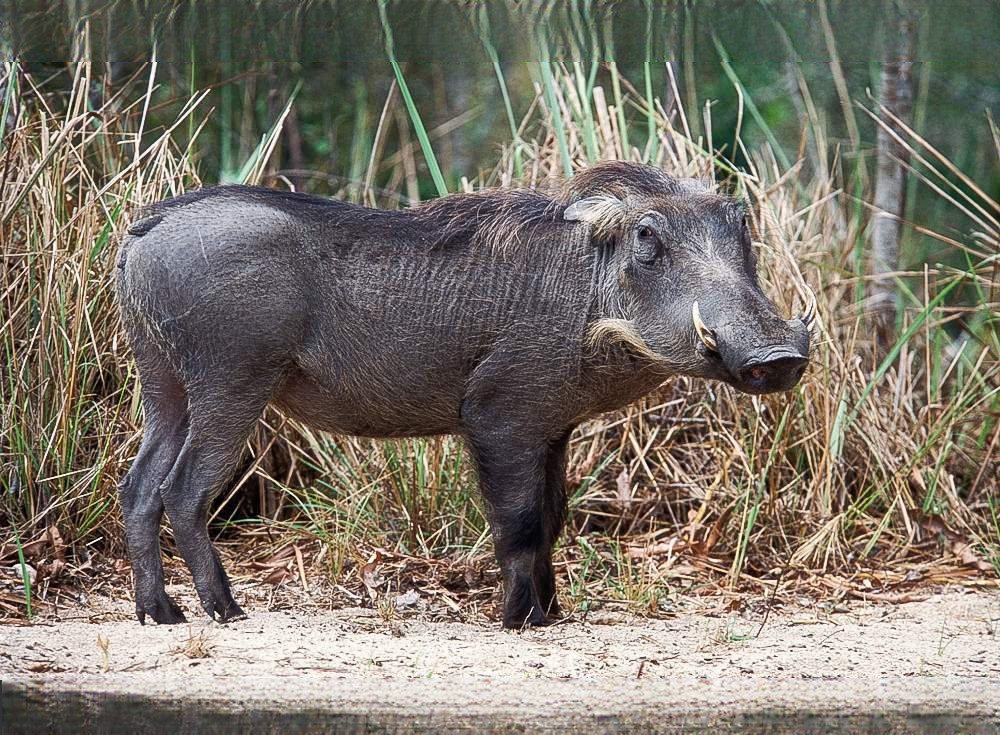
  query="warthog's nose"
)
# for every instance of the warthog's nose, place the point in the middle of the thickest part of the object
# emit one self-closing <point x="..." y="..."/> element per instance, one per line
<point x="772" y="369"/>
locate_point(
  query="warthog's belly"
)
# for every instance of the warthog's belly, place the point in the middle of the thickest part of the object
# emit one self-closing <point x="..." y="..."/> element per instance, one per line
<point x="357" y="409"/>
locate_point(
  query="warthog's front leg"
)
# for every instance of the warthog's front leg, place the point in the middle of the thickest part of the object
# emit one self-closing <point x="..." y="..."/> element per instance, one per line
<point x="513" y="478"/>
<point x="555" y="516"/>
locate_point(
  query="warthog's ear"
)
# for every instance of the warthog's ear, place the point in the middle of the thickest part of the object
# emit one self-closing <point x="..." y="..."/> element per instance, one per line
<point x="605" y="213"/>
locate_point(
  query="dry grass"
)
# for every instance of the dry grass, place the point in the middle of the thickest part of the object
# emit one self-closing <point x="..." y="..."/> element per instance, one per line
<point x="877" y="473"/>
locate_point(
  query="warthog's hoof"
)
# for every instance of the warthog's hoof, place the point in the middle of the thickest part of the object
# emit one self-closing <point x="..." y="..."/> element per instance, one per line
<point x="229" y="613"/>
<point x="534" y="618"/>
<point x="221" y="606"/>
<point x="159" y="607"/>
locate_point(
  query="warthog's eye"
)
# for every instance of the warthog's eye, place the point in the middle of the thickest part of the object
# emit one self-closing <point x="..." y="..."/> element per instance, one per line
<point x="647" y="245"/>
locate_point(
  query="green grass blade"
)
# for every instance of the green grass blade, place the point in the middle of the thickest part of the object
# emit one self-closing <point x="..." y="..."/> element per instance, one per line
<point x="484" y="34"/>
<point x="589" y="131"/>
<point x="25" y="577"/>
<point x="253" y="168"/>
<point x="548" y="85"/>
<point x="890" y="358"/>
<point x="8" y="96"/>
<point x="779" y="151"/>
<point x="750" y="517"/>
<point x="652" y="141"/>
<point x="411" y="108"/>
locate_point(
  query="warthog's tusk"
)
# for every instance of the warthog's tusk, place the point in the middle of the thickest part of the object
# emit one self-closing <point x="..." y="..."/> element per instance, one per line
<point x="808" y="317"/>
<point x="704" y="333"/>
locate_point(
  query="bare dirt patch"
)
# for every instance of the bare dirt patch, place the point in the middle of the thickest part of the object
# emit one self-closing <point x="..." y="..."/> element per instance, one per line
<point x="929" y="666"/>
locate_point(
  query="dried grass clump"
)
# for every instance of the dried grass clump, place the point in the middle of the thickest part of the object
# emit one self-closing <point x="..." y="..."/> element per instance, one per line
<point x="880" y="471"/>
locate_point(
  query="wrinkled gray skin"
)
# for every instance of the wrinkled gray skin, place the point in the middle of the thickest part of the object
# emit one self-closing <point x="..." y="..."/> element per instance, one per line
<point x="505" y="317"/>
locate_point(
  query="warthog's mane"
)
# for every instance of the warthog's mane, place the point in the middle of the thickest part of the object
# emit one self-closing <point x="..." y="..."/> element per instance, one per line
<point x="502" y="218"/>
<point x="629" y="181"/>
<point x="497" y="219"/>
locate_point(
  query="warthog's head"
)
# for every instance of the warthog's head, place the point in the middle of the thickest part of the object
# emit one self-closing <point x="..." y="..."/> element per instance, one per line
<point x="678" y="279"/>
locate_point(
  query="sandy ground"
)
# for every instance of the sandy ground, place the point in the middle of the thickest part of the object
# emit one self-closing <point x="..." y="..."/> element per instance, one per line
<point x="929" y="666"/>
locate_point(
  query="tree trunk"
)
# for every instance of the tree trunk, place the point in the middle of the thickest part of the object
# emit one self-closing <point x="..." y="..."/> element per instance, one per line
<point x="890" y="177"/>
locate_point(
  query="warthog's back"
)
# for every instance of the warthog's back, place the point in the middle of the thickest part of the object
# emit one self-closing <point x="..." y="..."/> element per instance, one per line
<point x="379" y="323"/>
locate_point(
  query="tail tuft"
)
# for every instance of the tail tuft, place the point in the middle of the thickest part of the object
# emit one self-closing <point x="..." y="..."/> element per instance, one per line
<point x="141" y="226"/>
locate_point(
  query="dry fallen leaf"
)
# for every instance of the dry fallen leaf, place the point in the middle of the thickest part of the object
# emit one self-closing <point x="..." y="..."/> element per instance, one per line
<point x="44" y="667"/>
<point x="49" y="544"/>
<point x="969" y="557"/>
<point x="197" y="645"/>
<point x="624" y="487"/>
<point x="279" y="575"/>
<point x="371" y="577"/>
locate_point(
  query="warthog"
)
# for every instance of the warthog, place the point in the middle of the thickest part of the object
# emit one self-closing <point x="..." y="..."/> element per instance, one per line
<point x="506" y="317"/>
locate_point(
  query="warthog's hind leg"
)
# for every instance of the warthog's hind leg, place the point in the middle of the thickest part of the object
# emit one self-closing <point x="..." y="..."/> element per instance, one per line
<point x="219" y="425"/>
<point x="165" y="407"/>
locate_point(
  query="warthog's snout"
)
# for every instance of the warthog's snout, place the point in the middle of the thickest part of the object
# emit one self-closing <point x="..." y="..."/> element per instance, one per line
<point x="773" y="367"/>
<point x="771" y="370"/>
